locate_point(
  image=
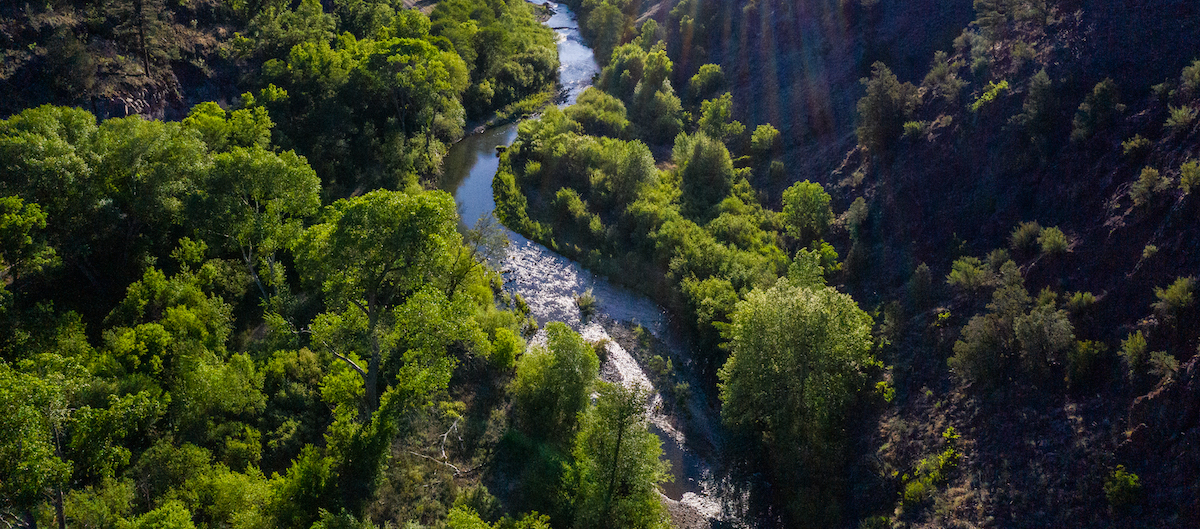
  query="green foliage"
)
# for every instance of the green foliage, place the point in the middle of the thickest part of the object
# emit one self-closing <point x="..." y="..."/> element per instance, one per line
<point x="1040" y="106"/>
<point x="1025" y="235"/>
<point x="990" y="94"/>
<point x="988" y="343"/>
<point x="1122" y="489"/>
<point x="1053" y="241"/>
<point x="707" y="83"/>
<point x="20" y="252"/>
<point x="764" y="140"/>
<point x="1098" y="111"/>
<point x="617" y="464"/>
<point x="1181" y="118"/>
<point x="1082" y="360"/>
<point x="931" y="472"/>
<point x="884" y="110"/>
<point x="1149" y="183"/>
<point x="1164" y="365"/>
<point x="586" y="301"/>
<point x="1189" y="175"/>
<point x="599" y="114"/>
<point x="706" y="172"/>
<point x="796" y="359"/>
<point x="1044" y="336"/>
<point x="806" y="211"/>
<point x="716" y="119"/>
<point x="1175" y="299"/>
<point x="967" y="273"/>
<point x="1135" y="146"/>
<point x="943" y="79"/>
<point x="553" y="383"/>
<point x="1133" y="352"/>
<point x="1080" y="301"/>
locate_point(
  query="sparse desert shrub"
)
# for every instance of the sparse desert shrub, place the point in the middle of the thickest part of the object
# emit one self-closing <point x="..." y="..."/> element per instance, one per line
<point x="1148" y="183"/>
<point x="1189" y="175"/>
<point x="1135" y="146"/>
<point x="1024" y="235"/>
<point x="587" y="303"/>
<point x="1133" y="352"/>
<point x="1053" y="241"/>
<point x="1122" y="488"/>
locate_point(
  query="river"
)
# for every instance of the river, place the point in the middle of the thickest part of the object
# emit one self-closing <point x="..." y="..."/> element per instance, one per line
<point x="549" y="283"/>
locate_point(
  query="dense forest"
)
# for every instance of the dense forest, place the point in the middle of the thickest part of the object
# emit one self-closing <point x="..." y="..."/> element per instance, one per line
<point x="935" y="261"/>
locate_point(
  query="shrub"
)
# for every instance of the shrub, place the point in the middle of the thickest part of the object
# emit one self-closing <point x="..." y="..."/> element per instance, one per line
<point x="1189" y="79"/>
<point x="1024" y="235"/>
<point x="1189" y="175"/>
<point x="1164" y="365"/>
<point x="1136" y="145"/>
<point x="1175" y="298"/>
<point x="1122" y="489"/>
<point x="914" y="129"/>
<point x="1181" y="118"/>
<point x="993" y="91"/>
<point x="967" y="273"/>
<point x="1097" y="111"/>
<point x="1149" y="182"/>
<point x="1053" y="241"/>
<point x="1080" y="301"/>
<point x="855" y="215"/>
<point x="1133" y="351"/>
<point x="1081" y="362"/>
<point x="587" y="304"/>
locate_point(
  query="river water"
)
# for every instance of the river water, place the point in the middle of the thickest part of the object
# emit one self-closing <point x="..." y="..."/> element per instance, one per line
<point x="549" y="283"/>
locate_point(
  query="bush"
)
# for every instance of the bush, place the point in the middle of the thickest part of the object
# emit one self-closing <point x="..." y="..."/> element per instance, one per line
<point x="1080" y="301"/>
<point x="1081" y="362"/>
<point x="1149" y="251"/>
<point x="1148" y="183"/>
<point x="1122" y="489"/>
<point x="967" y="273"/>
<point x="914" y="129"/>
<point x="764" y="140"/>
<point x="1135" y="146"/>
<point x="1164" y="365"/>
<point x="1053" y="241"/>
<point x="1181" y="118"/>
<point x="1024" y="235"/>
<point x="587" y="304"/>
<point x="1133" y="352"/>
<point x="1176" y="298"/>
<point x="993" y="91"/>
<point x="1189" y="175"/>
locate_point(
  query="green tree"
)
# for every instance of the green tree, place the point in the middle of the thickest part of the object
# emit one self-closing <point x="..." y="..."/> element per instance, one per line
<point x="553" y="383"/>
<point x="806" y="211"/>
<point x="716" y="119"/>
<point x="372" y="254"/>
<point x="256" y="203"/>
<point x="797" y="356"/>
<point x="33" y="415"/>
<point x="706" y="172"/>
<point x="617" y="466"/>
<point x="1098" y="110"/>
<point x="884" y="109"/>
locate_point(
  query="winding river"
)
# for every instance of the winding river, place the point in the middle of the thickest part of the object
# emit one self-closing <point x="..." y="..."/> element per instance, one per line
<point x="549" y="283"/>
